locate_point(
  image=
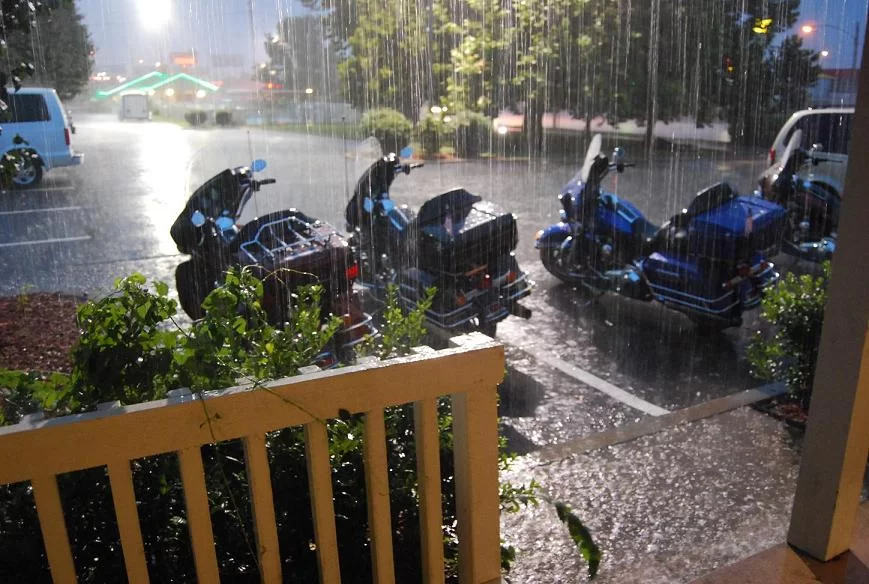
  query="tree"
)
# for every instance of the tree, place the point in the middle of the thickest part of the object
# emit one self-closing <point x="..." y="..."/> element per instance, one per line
<point x="300" y="56"/>
<point x="17" y="16"/>
<point x="381" y="51"/>
<point x="59" y="47"/>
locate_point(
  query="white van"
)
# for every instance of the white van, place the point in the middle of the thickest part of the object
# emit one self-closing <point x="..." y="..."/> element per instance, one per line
<point x="134" y="106"/>
<point x="37" y="115"/>
<point x="830" y="129"/>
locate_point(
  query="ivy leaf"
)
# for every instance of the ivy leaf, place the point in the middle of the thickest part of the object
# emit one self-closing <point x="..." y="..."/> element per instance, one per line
<point x="580" y="536"/>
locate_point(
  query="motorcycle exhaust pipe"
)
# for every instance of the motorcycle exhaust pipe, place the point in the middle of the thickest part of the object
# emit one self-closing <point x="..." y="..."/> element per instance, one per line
<point x="517" y="309"/>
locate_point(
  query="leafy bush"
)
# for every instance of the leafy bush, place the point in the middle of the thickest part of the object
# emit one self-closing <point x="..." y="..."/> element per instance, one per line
<point x="223" y="118"/>
<point x="128" y="352"/>
<point x="795" y="308"/>
<point x="196" y="117"/>
<point x="433" y="133"/>
<point x="389" y="126"/>
<point x="473" y="131"/>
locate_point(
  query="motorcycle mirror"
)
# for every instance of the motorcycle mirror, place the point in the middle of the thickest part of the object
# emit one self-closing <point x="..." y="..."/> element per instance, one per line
<point x="197" y="218"/>
<point x="406" y="152"/>
<point x="258" y="165"/>
<point x="817" y="148"/>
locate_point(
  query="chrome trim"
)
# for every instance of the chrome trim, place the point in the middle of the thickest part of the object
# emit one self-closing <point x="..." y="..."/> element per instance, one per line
<point x="298" y="246"/>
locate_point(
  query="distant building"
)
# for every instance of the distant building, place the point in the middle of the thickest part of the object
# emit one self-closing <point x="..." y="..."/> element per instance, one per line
<point x="834" y="87"/>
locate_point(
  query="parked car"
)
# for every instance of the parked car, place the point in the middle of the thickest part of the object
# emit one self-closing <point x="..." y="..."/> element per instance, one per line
<point x="38" y="116"/>
<point x="828" y="132"/>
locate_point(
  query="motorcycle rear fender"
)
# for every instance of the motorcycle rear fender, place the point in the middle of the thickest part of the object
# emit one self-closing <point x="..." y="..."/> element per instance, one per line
<point x="553" y="236"/>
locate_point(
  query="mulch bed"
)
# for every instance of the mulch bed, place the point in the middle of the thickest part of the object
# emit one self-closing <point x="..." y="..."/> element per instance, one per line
<point x="37" y="331"/>
<point x="786" y="409"/>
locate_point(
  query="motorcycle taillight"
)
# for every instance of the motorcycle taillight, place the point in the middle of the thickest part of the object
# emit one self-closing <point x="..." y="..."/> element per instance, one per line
<point x="352" y="272"/>
<point x="771" y="156"/>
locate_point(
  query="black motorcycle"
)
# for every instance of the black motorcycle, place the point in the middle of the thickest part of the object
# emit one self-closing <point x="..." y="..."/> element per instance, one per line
<point x="285" y="249"/>
<point x="812" y="211"/>
<point x="456" y="243"/>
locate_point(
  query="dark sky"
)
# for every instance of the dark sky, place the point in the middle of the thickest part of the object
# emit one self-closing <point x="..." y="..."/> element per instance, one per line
<point x="223" y="26"/>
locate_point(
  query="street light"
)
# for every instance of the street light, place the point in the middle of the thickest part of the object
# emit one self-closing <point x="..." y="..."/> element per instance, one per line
<point x="825" y="53"/>
<point x="309" y="90"/>
<point x="809" y="28"/>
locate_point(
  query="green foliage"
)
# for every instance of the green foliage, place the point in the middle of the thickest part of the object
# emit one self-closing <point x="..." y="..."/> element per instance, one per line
<point x="581" y="536"/>
<point x="389" y="126"/>
<point x="124" y="353"/>
<point x="795" y="308"/>
<point x="196" y="117"/>
<point x="128" y="351"/>
<point x="400" y="331"/>
<point x="380" y="48"/>
<point x="63" y="54"/>
<point x="434" y="133"/>
<point x="223" y="118"/>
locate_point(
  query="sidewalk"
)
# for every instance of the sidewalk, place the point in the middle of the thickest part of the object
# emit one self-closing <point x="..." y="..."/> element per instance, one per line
<point x="666" y="500"/>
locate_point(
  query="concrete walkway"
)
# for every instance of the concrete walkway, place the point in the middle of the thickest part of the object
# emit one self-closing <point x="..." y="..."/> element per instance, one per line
<point x="668" y="500"/>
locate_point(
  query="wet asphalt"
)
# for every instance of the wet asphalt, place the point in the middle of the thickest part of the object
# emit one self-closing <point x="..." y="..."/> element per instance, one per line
<point x="85" y="226"/>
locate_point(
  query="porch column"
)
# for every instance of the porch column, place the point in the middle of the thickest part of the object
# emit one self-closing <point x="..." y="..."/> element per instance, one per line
<point x="837" y="435"/>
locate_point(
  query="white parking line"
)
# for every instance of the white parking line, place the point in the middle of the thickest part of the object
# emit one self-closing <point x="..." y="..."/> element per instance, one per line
<point x="46" y="210"/>
<point x="52" y="189"/>
<point x="597" y="383"/>
<point x="42" y="241"/>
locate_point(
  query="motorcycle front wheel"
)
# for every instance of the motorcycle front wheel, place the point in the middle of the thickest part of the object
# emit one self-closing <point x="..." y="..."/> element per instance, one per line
<point x="193" y="285"/>
<point x="556" y="262"/>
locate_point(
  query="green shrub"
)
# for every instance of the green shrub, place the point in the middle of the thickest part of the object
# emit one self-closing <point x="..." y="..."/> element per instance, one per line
<point x="434" y="133"/>
<point x="473" y="132"/>
<point x="795" y="308"/>
<point x="196" y="117"/>
<point x="223" y="118"/>
<point x="130" y="351"/>
<point x="391" y="128"/>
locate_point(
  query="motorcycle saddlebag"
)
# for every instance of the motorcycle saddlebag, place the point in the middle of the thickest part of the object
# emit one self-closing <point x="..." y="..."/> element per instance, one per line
<point x="458" y="231"/>
<point x="733" y="228"/>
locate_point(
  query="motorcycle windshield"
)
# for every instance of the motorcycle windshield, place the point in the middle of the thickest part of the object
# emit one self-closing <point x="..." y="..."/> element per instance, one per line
<point x="373" y="178"/>
<point x="590" y="155"/>
<point x="218" y="196"/>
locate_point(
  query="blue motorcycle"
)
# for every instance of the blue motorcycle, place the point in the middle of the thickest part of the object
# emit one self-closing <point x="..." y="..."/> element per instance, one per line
<point x="709" y="261"/>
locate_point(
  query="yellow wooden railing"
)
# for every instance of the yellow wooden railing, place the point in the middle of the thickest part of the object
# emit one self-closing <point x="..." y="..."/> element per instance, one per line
<point x="38" y="450"/>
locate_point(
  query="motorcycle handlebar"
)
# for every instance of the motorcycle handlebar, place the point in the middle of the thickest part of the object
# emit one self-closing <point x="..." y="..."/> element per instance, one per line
<point x="267" y="181"/>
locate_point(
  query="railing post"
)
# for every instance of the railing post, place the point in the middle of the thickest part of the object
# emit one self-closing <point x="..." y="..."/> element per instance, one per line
<point x="54" y="535"/>
<point x="475" y="440"/>
<point x="836" y="444"/>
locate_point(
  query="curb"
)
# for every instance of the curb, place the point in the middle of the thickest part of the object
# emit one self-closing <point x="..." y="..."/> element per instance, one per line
<point x="653" y="425"/>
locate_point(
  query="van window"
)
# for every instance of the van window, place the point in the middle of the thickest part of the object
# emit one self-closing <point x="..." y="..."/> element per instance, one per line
<point x="27" y="108"/>
<point x="832" y="131"/>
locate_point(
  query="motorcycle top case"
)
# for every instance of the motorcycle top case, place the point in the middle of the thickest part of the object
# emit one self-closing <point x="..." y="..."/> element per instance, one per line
<point x="458" y="231"/>
<point x="725" y="226"/>
<point x="300" y="248"/>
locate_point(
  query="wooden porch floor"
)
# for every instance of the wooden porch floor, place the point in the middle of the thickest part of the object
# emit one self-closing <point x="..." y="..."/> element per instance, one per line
<point x="784" y="565"/>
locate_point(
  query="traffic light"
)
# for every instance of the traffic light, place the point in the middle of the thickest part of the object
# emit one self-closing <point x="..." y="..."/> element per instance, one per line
<point x="728" y="68"/>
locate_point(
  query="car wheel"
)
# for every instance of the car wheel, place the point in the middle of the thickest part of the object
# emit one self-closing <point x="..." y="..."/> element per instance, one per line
<point x="29" y="174"/>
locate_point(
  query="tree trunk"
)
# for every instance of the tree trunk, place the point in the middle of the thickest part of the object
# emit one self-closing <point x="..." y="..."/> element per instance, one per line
<point x="533" y="125"/>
